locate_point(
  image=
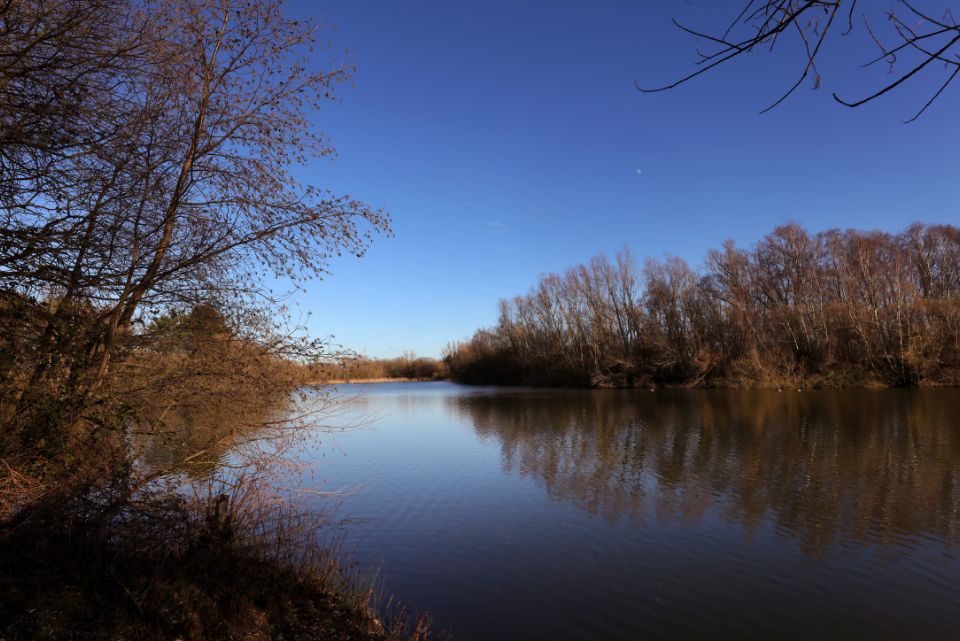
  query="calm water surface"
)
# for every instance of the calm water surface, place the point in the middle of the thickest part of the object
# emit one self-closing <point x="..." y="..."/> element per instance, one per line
<point x="532" y="514"/>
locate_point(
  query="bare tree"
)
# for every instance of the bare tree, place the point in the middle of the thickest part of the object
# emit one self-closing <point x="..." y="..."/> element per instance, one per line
<point x="147" y="166"/>
<point x="919" y="38"/>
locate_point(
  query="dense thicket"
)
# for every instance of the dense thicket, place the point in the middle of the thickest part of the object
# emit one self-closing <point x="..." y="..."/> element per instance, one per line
<point x="145" y="171"/>
<point x="832" y="308"/>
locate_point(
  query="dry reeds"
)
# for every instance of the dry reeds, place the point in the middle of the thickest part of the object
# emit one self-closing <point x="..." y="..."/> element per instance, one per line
<point x="201" y="565"/>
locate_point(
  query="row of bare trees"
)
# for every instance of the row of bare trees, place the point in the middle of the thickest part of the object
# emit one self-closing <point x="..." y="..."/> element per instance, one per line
<point x="832" y="308"/>
<point x="359" y="368"/>
<point x="147" y="155"/>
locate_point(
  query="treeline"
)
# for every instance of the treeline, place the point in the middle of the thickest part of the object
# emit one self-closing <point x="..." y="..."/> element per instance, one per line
<point x="836" y="308"/>
<point x="360" y="368"/>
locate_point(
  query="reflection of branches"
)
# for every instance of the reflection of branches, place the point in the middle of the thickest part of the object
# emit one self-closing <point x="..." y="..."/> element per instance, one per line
<point x="867" y="467"/>
<point x="930" y="38"/>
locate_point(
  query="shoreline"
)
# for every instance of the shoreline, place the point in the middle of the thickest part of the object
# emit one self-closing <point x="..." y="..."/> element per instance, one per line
<point x="801" y="386"/>
<point x="717" y="385"/>
<point x="365" y="381"/>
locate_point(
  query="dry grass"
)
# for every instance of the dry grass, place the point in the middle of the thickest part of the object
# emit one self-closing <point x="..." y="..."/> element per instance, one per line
<point x="92" y="564"/>
<point x="125" y="541"/>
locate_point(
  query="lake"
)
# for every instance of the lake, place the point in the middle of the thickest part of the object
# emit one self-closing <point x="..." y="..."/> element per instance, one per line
<point x="631" y="514"/>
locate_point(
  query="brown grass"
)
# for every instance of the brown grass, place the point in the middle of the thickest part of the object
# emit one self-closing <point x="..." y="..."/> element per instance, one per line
<point x="164" y="565"/>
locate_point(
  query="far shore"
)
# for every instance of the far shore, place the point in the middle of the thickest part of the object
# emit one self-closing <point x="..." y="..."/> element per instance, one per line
<point x="749" y="385"/>
<point x="350" y="381"/>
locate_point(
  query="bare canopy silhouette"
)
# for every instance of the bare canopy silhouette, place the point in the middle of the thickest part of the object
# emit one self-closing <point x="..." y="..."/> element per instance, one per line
<point x="836" y="308"/>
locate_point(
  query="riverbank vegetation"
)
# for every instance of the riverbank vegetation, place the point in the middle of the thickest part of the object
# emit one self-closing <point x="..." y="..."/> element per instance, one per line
<point x="166" y="566"/>
<point x="148" y="214"/>
<point x="408" y="367"/>
<point x="836" y="308"/>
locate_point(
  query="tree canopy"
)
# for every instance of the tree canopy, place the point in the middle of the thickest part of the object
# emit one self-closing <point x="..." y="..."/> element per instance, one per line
<point x="148" y="165"/>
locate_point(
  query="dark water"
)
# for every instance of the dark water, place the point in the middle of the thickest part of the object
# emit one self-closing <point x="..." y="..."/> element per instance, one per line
<point x="657" y="515"/>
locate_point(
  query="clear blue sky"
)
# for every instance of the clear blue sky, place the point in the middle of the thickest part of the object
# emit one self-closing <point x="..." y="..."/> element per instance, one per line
<point x="505" y="139"/>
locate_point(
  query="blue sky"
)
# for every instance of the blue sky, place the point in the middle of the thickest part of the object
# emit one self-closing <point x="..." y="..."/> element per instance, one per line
<point x="505" y="139"/>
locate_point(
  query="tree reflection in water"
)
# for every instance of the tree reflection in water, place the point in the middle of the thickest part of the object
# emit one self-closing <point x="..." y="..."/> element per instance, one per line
<point x="825" y="467"/>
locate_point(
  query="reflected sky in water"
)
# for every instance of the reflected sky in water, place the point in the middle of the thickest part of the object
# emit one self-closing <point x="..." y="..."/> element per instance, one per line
<point x="624" y="514"/>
